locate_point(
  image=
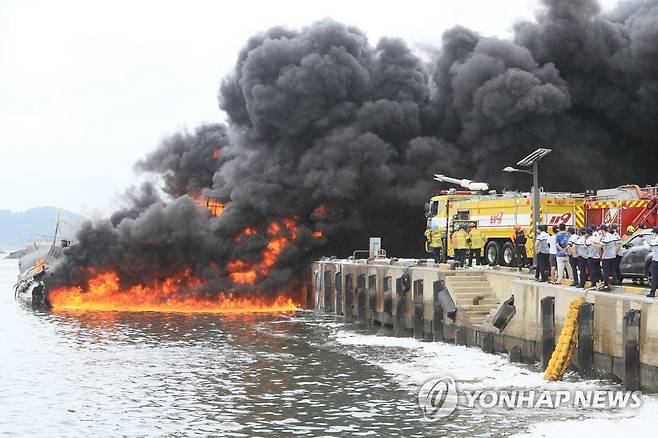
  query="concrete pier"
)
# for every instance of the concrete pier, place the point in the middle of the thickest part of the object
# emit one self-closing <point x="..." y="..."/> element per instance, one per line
<point x="618" y="332"/>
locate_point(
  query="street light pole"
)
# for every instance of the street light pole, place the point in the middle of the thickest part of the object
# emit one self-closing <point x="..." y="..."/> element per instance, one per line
<point x="533" y="160"/>
<point x="536" y="202"/>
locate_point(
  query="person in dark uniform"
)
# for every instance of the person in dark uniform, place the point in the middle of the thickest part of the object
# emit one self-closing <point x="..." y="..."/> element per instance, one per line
<point x="519" y="238"/>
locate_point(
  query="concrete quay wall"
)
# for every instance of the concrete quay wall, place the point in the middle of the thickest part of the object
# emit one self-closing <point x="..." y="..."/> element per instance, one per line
<point x="618" y="332"/>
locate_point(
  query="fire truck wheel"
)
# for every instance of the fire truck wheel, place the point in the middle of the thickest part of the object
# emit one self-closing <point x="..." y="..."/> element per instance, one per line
<point x="508" y="254"/>
<point x="492" y="253"/>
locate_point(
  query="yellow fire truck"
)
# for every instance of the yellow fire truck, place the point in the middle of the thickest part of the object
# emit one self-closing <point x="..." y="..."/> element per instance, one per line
<point x="496" y="214"/>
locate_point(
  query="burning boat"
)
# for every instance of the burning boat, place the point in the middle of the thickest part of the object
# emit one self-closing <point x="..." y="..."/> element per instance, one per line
<point x="33" y="266"/>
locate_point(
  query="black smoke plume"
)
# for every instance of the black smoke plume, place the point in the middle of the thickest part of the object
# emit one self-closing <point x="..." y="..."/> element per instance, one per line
<point x="343" y="137"/>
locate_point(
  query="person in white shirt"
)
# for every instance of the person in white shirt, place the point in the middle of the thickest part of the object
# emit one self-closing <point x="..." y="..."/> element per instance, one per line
<point x="596" y="234"/>
<point x="543" y="250"/>
<point x="583" y="256"/>
<point x="614" y="229"/>
<point x="609" y="246"/>
<point x="573" y="255"/>
<point x="593" y="257"/>
<point x="553" y="252"/>
<point x="652" y="244"/>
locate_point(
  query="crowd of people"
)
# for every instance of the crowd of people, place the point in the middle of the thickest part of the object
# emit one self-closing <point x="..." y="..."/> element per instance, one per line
<point x="591" y="253"/>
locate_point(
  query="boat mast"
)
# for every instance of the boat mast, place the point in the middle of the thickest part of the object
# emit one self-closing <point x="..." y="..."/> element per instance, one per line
<point x="56" y="228"/>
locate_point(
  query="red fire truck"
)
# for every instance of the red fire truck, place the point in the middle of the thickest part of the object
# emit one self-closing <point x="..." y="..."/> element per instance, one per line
<point x="623" y="206"/>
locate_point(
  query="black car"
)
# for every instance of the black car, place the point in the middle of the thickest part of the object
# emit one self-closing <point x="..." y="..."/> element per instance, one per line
<point x="636" y="257"/>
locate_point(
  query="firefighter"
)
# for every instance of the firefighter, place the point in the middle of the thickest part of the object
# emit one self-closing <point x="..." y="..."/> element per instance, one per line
<point x="476" y="244"/>
<point x="460" y="244"/>
<point x="630" y="230"/>
<point x="428" y="240"/>
<point x="435" y="244"/>
<point x="519" y="238"/>
<point x="653" y="246"/>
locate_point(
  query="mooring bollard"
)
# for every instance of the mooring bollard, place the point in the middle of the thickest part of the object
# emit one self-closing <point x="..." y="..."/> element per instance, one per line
<point x="460" y="336"/>
<point x="349" y="298"/>
<point x="487" y="342"/>
<point x="547" y="309"/>
<point x="398" y="320"/>
<point x="328" y="292"/>
<point x="631" y="347"/>
<point x="338" y="283"/>
<point x="586" y="340"/>
<point x="419" y="320"/>
<point x="437" y="317"/>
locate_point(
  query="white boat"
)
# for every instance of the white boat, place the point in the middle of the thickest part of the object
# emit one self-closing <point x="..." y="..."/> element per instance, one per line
<point x="33" y="267"/>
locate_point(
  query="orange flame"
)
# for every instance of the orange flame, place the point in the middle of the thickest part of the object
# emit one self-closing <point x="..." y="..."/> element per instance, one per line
<point x="215" y="206"/>
<point x="103" y="292"/>
<point x="317" y="234"/>
<point x="244" y="273"/>
<point x="216" y="154"/>
<point x="245" y="232"/>
<point x="320" y="213"/>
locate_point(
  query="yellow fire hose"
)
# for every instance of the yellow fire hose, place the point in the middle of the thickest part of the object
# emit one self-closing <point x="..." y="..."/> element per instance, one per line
<point x="566" y="344"/>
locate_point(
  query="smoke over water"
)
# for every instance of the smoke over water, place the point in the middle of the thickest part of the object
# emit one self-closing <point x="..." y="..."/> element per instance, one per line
<point x="331" y="139"/>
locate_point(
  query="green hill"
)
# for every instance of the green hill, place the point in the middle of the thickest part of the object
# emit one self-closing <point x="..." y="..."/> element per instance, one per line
<point x="20" y="228"/>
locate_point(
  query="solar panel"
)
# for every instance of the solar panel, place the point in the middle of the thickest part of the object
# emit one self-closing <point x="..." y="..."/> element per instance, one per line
<point x="534" y="156"/>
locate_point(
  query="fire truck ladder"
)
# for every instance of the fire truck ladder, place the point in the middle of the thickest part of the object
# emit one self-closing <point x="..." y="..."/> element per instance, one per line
<point x="648" y="211"/>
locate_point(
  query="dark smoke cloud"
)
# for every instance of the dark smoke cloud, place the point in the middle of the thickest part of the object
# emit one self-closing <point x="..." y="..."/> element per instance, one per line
<point x="343" y="137"/>
<point x="187" y="161"/>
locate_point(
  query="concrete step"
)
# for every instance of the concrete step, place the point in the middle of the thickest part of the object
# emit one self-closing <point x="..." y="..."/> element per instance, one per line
<point x="465" y="301"/>
<point x="459" y="283"/>
<point x="455" y="278"/>
<point x="479" y="320"/>
<point x="479" y="307"/>
<point x="476" y="290"/>
<point x="472" y="294"/>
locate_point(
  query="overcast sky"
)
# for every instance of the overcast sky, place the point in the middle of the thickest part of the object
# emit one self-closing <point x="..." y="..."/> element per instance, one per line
<point x="89" y="87"/>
